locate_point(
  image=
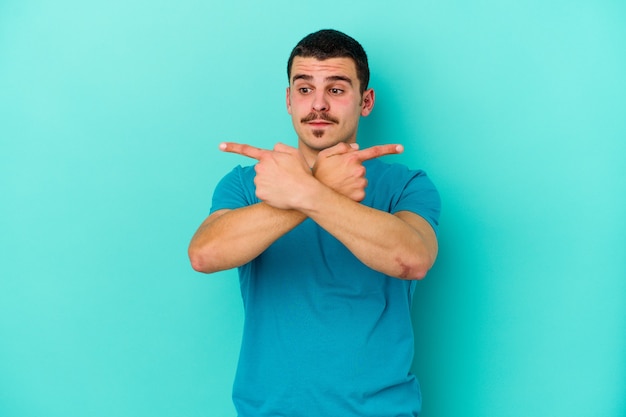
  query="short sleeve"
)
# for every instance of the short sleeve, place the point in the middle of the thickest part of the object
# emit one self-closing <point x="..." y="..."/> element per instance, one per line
<point x="420" y="196"/>
<point x="236" y="189"/>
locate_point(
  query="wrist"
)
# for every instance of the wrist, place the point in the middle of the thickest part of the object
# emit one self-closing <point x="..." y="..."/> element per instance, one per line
<point x="309" y="193"/>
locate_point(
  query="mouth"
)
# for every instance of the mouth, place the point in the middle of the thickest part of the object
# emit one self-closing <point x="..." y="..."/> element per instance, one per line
<point x="319" y="123"/>
<point x="319" y="119"/>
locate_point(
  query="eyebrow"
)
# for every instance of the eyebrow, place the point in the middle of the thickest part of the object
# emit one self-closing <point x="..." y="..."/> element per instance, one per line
<point x="331" y="78"/>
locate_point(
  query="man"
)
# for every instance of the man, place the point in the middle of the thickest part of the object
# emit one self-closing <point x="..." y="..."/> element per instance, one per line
<point x="328" y="241"/>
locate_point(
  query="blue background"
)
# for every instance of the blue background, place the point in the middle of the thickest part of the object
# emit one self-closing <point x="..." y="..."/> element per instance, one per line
<point x="110" y="117"/>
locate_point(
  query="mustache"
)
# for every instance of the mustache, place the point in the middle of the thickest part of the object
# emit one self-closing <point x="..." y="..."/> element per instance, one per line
<point x="319" y="116"/>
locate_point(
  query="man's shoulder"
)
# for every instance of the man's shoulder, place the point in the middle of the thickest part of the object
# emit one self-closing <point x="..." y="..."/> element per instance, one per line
<point x="241" y="173"/>
<point x="238" y="178"/>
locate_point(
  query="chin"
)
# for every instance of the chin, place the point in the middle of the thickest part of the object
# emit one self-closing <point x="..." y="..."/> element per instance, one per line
<point x="315" y="146"/>
<point x="320" y="141"/>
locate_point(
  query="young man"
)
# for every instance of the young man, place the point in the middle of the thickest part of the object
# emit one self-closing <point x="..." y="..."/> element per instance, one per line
<point x="328" y="241"/>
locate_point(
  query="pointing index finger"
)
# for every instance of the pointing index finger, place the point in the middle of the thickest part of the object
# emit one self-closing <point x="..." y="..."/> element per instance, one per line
<point x="243" y="149"/>
<point x="379" y="150"/>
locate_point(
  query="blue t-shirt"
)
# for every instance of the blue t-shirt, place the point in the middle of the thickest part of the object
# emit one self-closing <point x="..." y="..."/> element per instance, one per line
<point x="324" y="335"/>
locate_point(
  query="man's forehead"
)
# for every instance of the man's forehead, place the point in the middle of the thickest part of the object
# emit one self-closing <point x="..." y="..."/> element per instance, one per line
<point x="313" y="67"/>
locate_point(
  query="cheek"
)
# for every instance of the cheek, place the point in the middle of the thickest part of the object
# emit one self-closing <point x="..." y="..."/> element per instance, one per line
<point x="296" y="104"/>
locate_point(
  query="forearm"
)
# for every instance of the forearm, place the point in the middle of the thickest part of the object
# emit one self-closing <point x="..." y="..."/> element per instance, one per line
<point x="401" y="245"/>
<point x="382" y="241"/>
<point x="237" y="236"/>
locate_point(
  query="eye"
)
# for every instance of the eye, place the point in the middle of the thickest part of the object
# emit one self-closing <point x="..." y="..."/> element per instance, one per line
<point x="304" y="90"/>
<point x="336" y="91"/>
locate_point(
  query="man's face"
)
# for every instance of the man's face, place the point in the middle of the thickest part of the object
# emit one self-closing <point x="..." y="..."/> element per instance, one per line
<point x="325" y="103"/>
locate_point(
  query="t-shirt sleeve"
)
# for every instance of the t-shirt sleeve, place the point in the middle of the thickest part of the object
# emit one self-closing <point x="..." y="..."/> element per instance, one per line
<point x="236" y="189"/>
<point x="420" y="196"/>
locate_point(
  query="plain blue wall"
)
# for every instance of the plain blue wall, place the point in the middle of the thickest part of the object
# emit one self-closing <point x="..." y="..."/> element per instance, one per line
<point x="110" y="117"/>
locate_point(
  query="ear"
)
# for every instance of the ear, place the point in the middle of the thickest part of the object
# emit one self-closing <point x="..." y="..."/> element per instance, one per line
<point x="288" y="100"/>
<point x="367" y="103"/>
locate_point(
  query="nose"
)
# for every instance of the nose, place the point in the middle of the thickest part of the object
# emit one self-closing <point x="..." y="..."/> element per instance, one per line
<point x="319" y="102"/>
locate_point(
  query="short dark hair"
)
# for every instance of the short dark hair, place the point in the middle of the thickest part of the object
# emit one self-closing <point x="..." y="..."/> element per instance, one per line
<point x="329" y="43"/>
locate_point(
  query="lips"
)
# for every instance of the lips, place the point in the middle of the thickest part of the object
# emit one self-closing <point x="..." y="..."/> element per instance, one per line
<point x="319" y="123"/>
<point x="319" y="119"/>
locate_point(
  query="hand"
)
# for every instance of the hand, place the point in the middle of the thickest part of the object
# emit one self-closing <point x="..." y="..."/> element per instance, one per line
<point x="280" y="173"/>
<point x="340" y="167"/>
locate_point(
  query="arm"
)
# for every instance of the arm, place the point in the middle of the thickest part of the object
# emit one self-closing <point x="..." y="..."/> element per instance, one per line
<point x="291" y="193"/>
<point x="401" y="245"/>
<point x="230" y="238"/>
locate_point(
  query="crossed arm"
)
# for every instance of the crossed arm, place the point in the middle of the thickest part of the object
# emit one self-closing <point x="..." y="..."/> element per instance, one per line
<point x="401" y="245"/>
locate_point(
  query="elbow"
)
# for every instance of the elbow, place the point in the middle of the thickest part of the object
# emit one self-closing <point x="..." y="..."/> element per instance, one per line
<point x="419" y="273"/>
<point x="200" y="262"/>
<point x="415" y="269"/>
<point x="414" y="274"/>
<point x="197" y="262"/>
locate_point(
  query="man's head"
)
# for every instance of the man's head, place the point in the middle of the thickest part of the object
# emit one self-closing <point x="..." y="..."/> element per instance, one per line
<point x="327" y="93"/>
<point x="329" y="43"/>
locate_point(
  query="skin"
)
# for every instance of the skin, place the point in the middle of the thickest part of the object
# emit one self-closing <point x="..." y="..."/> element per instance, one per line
<point x="330" y="91"/>
<point x="322" y="179"/>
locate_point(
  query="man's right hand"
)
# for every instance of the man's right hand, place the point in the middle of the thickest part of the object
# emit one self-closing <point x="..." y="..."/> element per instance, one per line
<point x="281" y="173"/>
<point x="340" y="167"/>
